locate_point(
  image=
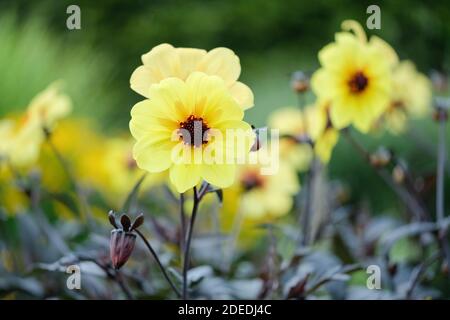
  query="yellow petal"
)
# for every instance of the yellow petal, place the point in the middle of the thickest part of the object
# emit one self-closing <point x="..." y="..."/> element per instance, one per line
<point x="340" y="115"/>
<point x="209" y="98"/>
<point x="221" y="176"/>
<point x="163" y="62"/>
<point x="324" y="84"/>
<point x="325" y="144"/>
<point x="153" y="154"/>
<point x="189" y="60"/>
<point x="184" y="176"/>
<point x="242" y="94"/>
<point x="386" y="50"/>
<point x="141" y="80"/>
<point x="221" y="62"/>
<point x="146" y="117"/>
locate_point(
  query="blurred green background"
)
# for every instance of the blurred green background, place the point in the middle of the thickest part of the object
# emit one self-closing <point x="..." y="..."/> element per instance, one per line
<point x="272" y="38"/>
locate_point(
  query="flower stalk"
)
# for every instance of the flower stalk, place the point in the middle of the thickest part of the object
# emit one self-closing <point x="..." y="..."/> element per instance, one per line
<point x="160" y="265"/>
<point x="198" y="195"/>
<point x="441" y="117"/>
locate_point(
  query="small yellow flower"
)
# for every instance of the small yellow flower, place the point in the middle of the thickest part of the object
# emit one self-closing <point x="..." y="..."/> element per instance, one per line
<point x="411" y="96"/>
<point x="165" y="61"/>
<point x="355" y="78"/>
<point x="313" y="123"/>
<point x="183" y="128"/>
<point x="265" y="197"/>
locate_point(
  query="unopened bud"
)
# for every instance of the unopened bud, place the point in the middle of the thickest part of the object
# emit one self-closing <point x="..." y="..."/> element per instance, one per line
<point x="300" y="82"/>
<point x="380" y="158"/>
<point x="441" y="107"/>
<point x="439" y="81"/>
<point x="121" y="247"/>
<point x="122" y="238"/>
<point x="440" y="115"/>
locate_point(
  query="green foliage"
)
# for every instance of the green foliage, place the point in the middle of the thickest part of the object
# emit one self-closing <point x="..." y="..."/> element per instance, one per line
<point x="31" y="57"/>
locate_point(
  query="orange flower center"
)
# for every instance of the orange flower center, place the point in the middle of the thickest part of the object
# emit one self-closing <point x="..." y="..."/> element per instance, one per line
<point x="193" y="131"/>
<point x="358" y="82"/>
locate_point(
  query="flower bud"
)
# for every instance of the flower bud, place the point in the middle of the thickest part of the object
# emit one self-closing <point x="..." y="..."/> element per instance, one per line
<point x="381" y="157"/>
<point x="439" y="81"/>
<point x="123" y="238"/>
<point x="121" y="247"/>
<point x="300" y="82"/>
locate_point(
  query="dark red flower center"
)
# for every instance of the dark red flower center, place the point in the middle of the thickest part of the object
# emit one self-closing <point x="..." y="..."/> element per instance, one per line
<point x="358" y="82"/>
<point x="193" y="131"/>
<point x="252" y="180"/>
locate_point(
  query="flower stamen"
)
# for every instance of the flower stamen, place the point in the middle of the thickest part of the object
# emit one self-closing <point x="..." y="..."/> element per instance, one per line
<point x="358" y="82"/>
<point x="193" y="131"/>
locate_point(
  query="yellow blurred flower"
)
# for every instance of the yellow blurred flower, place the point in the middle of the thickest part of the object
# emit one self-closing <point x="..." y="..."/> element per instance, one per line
<point x="165" y="61"/>
<point x="313" y="122"/>
<point x="411" y="96"/>
<point x="21" y="140"/>
<point x="121" y="169"/>
<point x="179" y="127"/>
<point x="22" y="136"/>
<point x="79" y="143"/>
<point x="12" y="198"/>
<point x="355" y="77"/>
<point x="50" y="106"/>
<point x="290" y="121"/>
<point x="265" y="197"/>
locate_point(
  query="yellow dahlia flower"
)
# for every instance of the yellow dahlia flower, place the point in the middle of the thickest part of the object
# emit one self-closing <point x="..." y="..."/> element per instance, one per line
<point x="265" y="197"/>
<point x="411" y="96"/>
<point x="165" y="61"/>
<point x="355" y="76"/>
<point x="185" y="128"/>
